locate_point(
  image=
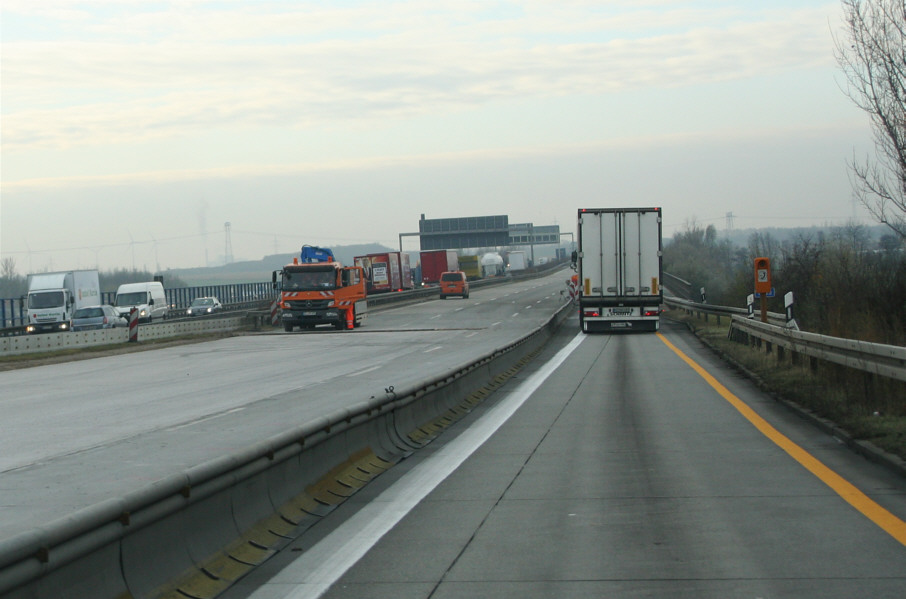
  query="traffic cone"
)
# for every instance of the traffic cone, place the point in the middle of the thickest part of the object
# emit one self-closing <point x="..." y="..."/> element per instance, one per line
<point x="350" y="320"/>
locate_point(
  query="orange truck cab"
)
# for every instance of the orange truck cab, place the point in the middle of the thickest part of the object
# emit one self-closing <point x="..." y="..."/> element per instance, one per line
<point x="320" y="292"/>
<point x="454" y="283"/>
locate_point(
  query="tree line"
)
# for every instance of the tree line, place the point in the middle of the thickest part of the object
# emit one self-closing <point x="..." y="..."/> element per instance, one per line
<point x="845" y="283"/>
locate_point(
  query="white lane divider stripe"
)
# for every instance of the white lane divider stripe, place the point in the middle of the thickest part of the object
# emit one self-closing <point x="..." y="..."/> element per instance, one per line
<point x="313" y="573"/>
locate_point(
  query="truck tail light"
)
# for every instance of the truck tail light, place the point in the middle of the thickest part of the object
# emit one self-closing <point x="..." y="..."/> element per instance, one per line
<point x="650" y="312"/>
<point x="592" y="313"/>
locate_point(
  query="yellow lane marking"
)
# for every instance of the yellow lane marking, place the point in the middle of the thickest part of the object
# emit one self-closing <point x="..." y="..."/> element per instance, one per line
<point x="846" y="490"/>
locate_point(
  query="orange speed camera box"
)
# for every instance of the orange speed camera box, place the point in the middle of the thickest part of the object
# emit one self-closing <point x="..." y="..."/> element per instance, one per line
<point x="763" y="275"/>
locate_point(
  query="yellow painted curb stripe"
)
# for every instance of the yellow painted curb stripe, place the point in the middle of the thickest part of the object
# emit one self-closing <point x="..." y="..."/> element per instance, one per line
<point x="846" y="490"/>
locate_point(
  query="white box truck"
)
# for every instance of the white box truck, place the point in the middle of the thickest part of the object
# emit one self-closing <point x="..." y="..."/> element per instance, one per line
<point x="516" y="261"/>
<point x="619" y="266"/>
<point x="54" y="296"/>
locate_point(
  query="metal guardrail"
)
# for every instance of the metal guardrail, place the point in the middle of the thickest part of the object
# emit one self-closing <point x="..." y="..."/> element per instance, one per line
<point x="887" y="361"/>
<point x="876" y="358"/>
<point x="719" y="311"/>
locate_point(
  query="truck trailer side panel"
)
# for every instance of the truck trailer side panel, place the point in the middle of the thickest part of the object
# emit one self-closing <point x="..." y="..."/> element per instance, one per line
<point x="619" y="263"/>
<point x="435" y="262"/>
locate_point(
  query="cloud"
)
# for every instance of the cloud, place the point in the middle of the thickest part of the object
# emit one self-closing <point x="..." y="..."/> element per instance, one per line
<point x="194" y="67"/>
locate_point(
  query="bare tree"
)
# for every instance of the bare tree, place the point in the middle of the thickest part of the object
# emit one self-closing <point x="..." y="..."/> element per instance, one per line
<point x="8" y="268"/>
<point x="872" y="56"/>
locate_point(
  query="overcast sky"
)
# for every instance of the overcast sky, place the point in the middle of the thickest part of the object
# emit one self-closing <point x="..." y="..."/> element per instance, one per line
<point x="133" y="130"/>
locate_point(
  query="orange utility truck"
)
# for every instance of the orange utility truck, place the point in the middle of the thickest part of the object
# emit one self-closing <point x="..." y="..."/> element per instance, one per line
<point x="316" y="289"/>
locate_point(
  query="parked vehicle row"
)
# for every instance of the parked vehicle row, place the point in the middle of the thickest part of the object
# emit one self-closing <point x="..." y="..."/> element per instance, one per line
<point x="105" y="316"/>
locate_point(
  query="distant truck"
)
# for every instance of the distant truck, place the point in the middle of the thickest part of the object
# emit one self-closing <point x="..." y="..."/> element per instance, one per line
<point x="492" y="265"/>
<point x="619" y="269"/>
<point x="471" y="265"/>
<point x="147" y="298"/>
<point x="54" y="296"/>
<point x="436" y="262"/>
<point x="316" y="289"/>
<point x="386" y="271"/>
<point x="516" y="261"/>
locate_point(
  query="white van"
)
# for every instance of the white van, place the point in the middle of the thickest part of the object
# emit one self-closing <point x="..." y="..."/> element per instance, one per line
<point x="147" y="298"/>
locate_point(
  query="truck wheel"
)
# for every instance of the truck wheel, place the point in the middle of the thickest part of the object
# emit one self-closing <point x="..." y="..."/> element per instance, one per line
<point x="288" y="328"/>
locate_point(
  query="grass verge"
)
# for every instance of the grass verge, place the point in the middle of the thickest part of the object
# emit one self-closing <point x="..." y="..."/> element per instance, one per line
<point x="862" y="406"/>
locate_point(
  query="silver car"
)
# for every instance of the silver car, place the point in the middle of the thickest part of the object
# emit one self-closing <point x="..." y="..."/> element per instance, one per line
<point x="97" y="317"/>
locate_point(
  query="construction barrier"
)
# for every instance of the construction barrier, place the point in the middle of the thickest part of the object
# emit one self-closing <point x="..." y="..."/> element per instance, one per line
<point x="275" y="312"/>
<point x="133" y="325"/>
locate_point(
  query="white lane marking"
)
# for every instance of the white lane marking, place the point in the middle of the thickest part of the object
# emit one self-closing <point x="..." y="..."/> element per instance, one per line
<point x="433" y="317"/>
<point x="515" y="314"/>
<point x="205" y="419"/>
<point x="471" y="334"/>
<point x="494" y="324"/>
<point x="316" y="570"/>
<point x="372" y="369"/>
<point x="432" y="349"/>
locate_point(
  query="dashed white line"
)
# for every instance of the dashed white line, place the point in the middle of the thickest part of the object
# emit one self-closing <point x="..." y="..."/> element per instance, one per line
<point x="372" y="369"/>
<point x="205" y="419"/>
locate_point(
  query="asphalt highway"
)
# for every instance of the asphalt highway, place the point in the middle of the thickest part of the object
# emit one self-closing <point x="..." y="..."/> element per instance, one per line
<point x="75" y="434"/>
<point x="615" y="466"/>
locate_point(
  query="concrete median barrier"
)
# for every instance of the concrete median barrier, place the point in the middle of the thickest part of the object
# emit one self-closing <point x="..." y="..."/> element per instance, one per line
<point x="200" y="530"/>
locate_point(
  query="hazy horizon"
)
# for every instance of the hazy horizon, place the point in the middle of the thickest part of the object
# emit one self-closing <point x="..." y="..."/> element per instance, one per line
<point x="133" y="132"/>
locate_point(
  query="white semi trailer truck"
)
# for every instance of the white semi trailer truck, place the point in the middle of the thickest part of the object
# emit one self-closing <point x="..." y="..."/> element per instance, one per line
<point x="619" y="265"/>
